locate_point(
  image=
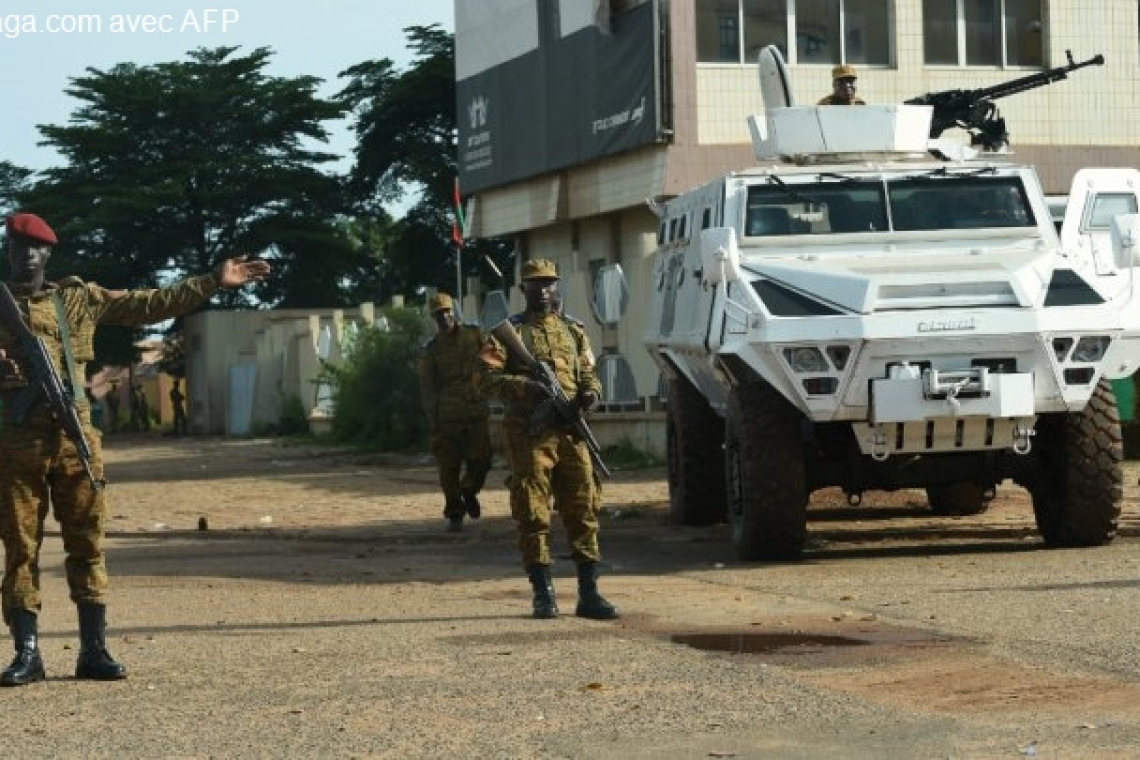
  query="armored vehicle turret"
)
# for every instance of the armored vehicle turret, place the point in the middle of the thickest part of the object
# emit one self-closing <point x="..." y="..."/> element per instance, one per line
<point x="857" y="312"/>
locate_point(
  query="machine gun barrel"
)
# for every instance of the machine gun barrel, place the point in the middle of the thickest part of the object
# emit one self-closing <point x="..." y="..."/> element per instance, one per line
<point x="1040" y="79"/>
<point x="974" y="111"/>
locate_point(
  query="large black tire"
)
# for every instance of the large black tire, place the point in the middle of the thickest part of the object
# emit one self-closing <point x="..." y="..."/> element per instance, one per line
<point x="962" y="498"/>
<point x="765" y="470"/>
<point x="1078" y="483"/>
<point x="694" y="441"/>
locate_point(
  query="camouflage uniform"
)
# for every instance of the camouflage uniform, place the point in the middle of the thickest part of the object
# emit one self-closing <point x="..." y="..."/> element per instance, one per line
<point x="843" y="73"/>
<point x="457" y="415"/>
<point x="40" y="464"/>
<point x="554" y="463"/>
<point x="548" y="460"/>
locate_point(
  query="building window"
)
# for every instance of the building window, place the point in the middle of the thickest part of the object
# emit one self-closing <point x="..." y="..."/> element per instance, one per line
<point x="765" y="23"/>
<point x="817" y="31"/>
<point x="982" y="32"/>
<point x="805" y="31"/>
<point x="729" y="35"/>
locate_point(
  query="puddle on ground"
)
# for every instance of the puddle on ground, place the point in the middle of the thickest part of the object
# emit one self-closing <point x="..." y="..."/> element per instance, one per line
<point x="766" y="643"/>
<point x="812" y="648"/>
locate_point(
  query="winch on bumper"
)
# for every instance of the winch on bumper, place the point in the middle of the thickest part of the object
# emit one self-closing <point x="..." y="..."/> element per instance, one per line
<point x="922" y="410"/>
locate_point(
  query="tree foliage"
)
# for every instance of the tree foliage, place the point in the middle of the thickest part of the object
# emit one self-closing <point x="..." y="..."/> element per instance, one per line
<point x="13" y="181"/>
<point x="382" y="358"/>
<point x="169" y="168"/>
<point x="172" y="167"/>
<point x="406" y="143"/>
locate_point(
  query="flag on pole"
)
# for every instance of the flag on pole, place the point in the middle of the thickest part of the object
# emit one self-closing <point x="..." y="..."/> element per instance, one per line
<point x="459" y="226"/>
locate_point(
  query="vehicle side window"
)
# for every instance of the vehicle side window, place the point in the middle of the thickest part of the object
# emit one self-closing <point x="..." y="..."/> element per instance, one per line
<point x="1107" y="205"/>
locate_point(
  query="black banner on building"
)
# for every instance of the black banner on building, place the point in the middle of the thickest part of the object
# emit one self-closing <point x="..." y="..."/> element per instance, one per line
<point x="570" y="99"/>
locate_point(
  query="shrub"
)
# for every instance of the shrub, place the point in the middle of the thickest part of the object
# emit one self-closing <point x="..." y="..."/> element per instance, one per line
<point x="376" y="391"/>
<point x="292" y="420"/>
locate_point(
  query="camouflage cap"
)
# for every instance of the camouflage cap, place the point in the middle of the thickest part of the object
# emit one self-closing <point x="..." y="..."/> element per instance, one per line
<point x="844" y="71"/>
<point x="539" y="269"/>
<point x="439" y="302"/>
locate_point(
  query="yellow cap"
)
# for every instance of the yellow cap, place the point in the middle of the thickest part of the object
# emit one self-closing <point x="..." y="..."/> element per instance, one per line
<point x="844" y="71"/>
<point x="439" y="302"/>
<point x="539" y="269"/>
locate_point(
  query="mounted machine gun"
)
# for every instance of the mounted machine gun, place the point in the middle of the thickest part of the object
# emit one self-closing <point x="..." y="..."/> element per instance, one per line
<point x="975" y="112"/>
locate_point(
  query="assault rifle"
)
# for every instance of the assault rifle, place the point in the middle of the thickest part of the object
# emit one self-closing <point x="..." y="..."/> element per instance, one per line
<point x="45" y="380"/>
<point x="975" y="112"/>
<point x="563" y="405"/>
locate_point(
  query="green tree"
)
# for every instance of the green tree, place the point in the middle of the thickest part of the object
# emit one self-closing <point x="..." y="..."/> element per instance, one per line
<point x="174" y="166"/>
<point x="377" y="278"/>
<point x="13" y="181"/>
<point x="406" y="144"/>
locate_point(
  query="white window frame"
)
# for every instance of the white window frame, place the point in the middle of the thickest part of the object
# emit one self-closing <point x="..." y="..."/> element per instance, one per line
<point x="960" y="38"/>
<point x="790" y="33"/>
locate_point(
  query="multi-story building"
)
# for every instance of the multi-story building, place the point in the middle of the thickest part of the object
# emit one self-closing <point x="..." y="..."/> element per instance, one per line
<point x="574" y="112"/>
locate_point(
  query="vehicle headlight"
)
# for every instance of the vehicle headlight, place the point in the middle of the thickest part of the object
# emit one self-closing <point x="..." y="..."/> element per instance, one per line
<point x="805" y="359"/>
<point x="1091" y="348"/>
<point x="1061" y="348"/>
<point x="839" y="356"/>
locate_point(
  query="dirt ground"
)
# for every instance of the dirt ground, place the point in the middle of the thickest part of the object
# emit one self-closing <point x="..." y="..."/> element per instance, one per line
<point x="300" y="601"/>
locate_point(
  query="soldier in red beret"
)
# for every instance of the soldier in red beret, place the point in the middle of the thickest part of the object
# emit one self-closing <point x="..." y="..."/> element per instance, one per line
<point x="35" y="452"/>
<point x="32" y="227"/>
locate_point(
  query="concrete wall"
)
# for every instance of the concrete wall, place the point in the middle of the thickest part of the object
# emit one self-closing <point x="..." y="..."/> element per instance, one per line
<point x="278" y="349"/>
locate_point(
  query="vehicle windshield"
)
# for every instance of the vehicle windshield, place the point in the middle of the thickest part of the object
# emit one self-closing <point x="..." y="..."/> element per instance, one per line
<point x="947" y="202"/>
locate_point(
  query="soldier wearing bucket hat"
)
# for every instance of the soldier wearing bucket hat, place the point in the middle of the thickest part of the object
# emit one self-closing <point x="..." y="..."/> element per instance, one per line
<point x="456" y="412"/>
<point x="843" y="79"/>
<point x="549" y="461"/>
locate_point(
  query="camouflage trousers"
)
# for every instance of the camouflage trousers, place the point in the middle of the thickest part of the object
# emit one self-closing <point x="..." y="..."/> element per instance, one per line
<point x="463" y="455"/>
<point x="553" y="466"/>
<point x="40" y="468"/>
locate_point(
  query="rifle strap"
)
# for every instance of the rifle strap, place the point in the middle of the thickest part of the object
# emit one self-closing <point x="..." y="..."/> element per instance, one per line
<point x="74" y="380"/>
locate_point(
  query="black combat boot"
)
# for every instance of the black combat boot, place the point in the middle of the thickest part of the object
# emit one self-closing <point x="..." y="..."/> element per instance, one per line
<point x="28" y="665"/>
<point x="591" y="604"/>
<point x="544" y="604"/>
<point x="471" y="503"/>
<point x="95" y="662"/>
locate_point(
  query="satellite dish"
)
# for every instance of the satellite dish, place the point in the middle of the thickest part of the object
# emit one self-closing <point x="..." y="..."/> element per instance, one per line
<point x="775" y="84"/>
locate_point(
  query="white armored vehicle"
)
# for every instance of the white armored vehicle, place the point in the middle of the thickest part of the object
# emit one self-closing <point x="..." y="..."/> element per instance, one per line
<point x="875" y="309"/>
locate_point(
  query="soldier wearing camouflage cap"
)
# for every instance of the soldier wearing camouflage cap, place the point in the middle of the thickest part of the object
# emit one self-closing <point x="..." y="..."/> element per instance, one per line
<point x="843" y="87"/>
<point x="550" y="463"/>
<point x="457" y="414"/>
<point x="41" y="465"/>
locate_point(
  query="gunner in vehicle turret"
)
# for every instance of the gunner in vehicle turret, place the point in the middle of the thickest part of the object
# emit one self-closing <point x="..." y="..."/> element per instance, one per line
<point x="843" y="88"/>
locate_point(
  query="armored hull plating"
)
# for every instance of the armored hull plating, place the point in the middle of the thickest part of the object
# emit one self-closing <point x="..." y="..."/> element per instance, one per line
<point x="863" y="316"/>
